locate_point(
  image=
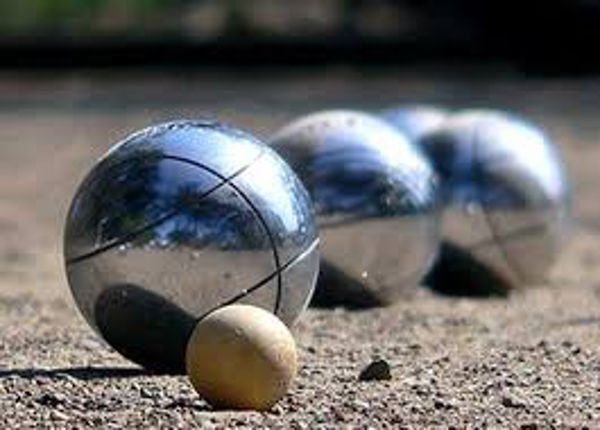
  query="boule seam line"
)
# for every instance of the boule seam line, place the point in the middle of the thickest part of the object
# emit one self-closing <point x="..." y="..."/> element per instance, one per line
<point x="126" y="238"/>
<point x="262" y="282"/>
<point x="242" y="195"/>
<point x="477" y="174"/>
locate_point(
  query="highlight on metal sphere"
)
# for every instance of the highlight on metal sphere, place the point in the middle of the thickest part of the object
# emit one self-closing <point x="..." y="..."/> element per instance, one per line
<point x="505" y="191"/>
<point x="178" y="220"/>
<point x="376" y="200"/>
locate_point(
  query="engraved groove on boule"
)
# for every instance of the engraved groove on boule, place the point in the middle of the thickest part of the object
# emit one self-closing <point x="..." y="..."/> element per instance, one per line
<point x="240" y="193"/>
<point x="265" y="281"/>
<point x="173" y="213"/>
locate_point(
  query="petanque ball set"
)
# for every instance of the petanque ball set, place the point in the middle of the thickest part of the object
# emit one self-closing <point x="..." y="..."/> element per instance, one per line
<point x="191" y="245"/>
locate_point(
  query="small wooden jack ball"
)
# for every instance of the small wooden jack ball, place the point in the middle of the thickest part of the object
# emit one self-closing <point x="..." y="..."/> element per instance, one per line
<point x="241" y="357"/>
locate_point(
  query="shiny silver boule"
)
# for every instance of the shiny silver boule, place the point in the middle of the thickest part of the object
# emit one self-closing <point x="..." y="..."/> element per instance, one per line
<point x="179" y="220"/>
<point x="506" y="196"/>
<point x="376" y="200"/>
<point x="414" y="121"/>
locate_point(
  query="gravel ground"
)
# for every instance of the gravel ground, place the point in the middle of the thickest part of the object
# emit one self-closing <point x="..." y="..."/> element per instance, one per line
<point x="531" y="360"/>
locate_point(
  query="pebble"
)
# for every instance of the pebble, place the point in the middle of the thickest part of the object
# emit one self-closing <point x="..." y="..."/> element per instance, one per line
<point x="377" y="370"/>
<point x="510" y="401"/>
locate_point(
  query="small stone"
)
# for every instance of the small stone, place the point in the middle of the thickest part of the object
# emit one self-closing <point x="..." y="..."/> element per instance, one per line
<point x="361" y="405"/>
<point x="377" y="370"/>
<point x="512" y="402"/>
<point x="439" y="404"/>
<point x="50" y="400"/>
<point x="58" y="416"/>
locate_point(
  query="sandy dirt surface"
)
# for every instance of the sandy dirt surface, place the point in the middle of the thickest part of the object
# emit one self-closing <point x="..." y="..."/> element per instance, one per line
<point x="531" y="360"/>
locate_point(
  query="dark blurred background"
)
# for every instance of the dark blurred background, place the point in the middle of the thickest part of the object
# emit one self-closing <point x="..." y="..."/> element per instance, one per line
<point x="78" y="75"/>
<point x="553" y="36"/>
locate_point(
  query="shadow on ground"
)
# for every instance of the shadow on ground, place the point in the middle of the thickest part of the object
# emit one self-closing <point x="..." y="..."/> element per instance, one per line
<point x="455" y="274"/>
<point x="82" y="373"/>
<point x="335" y="289"/>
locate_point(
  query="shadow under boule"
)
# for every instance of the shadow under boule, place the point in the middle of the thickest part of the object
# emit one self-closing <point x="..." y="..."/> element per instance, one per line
<point x="336" y="289"/>
<point x="144" y="327"/>
<point x="81" y="373"/>
<point x="456" y="273"/>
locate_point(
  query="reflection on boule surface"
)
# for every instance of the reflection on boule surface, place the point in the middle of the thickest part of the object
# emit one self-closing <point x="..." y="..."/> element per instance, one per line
<point x="375" y="196"/>
<point x="178" y="220"/>
<point x="414" y="121"/>
<point x="505" y="191"/>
